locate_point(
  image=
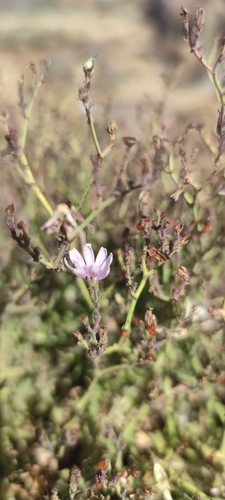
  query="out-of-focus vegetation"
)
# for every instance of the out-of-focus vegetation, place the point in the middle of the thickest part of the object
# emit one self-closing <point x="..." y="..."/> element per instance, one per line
<point x="151" y="405"/>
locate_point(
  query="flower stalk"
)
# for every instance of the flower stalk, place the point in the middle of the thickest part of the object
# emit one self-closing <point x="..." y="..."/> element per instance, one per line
<point x="146" y="275"/>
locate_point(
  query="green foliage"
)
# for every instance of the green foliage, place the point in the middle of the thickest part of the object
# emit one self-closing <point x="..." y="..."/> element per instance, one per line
<point x="152" y="398"/>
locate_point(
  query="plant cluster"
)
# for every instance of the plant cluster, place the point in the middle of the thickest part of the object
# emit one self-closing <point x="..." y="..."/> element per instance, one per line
<point x="113" y="369"/>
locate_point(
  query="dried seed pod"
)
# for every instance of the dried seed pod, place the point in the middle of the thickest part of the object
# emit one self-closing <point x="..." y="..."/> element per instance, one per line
<point x="153" y="252"/>
<point x="129" y="141"/>
<point x="183" y="273"/>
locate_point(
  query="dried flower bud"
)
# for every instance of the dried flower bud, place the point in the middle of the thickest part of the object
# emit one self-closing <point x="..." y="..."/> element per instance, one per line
<point x="167" y="223"/>
<point x="184" y="239"/>
<point x="200" y="17"/>
<point x="88" y="67"/>
<point x="10" y="209"/>
<point x="102" y="335"/>
<point x="183" y="273"/>
<point x="82" y="94"/>
<point x="21" y="225"/>
<point x="104" y="463"/>
<point x="85" y="320"/>
<point x="25" y="232"/>
<point x="143" y="224"/>
<point x="135" y="472"/>
<point x="147" y="490"/>
<point x="150" y="357"/>
<point x="177" y="228"/>
<point x="12" y="141"/>
<point x="153" y="252"/>
<point x="207" y="226"/>
<point x="112" y="127"/>
<point x="150" y="322"/>
<point x="156" y="141"/>
<point x="92" y="353"/>
<point x="114" y="478"/>
<point x="182" y="152"/>
<point x="184" y="13"/>
<point x="37" y="252"/>
<point x="129" y="254"/>
<point x="101" y="474"/>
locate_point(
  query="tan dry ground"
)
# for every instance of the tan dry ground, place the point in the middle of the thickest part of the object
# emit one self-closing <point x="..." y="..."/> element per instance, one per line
<point x="132" y="54"/>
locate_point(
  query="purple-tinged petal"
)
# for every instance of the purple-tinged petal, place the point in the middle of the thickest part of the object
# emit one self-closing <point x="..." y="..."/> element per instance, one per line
<point x="77" y="272"/>
<point x="68" y="265"/>
<point x="101" y="257"/>
<point x="80" y="273"/>
<point x="76" y="258"/>
<point x="94" y="271"/>
<point x="104" y="269"/>
<point x="107" y="262"/>
<point x="104" y="273"/>
<point x="90" y="268"/>
<point x="88" y="254"/>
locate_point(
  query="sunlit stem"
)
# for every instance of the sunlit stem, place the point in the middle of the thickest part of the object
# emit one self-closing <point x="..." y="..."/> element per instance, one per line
<point x="93" y="133"/>
<point x="26" y="173"/>
<point x="146" y="275"/>
<point x="61" y="253"/>
<point x="92" y="215"/>
<point x="28" y="112"/>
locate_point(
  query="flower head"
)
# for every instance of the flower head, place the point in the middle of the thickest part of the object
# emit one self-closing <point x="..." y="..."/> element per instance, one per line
<point x="89" y="267"/>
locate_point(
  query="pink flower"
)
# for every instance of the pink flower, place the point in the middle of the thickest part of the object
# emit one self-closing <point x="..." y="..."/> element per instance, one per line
<point x="89" y="267"/>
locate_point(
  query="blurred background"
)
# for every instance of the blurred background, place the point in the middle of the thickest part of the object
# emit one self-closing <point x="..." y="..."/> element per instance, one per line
<point x="142" y="60"/>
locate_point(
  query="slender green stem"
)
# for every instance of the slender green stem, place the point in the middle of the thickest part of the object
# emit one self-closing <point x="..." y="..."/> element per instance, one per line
<point x="29" y="108"/>
<point x="84" y="196"/>
<point x="172" y="170"/>
<point x="146" y="275"/>
<point x="92" y="215"/>
<point x="25" y="172"/>
<point x="61" y="253"/>
<point x="23" y="166"/>
<point x="185" y="485"/>
<point x="217" y="86"/>
<point x="84" y="292"/>
<point x="93" y="133"/>
<point x="18" y="293"/>
<point x="211" y="176"/>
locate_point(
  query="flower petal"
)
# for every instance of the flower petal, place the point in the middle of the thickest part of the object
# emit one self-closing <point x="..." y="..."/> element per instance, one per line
<point x="104" y="273"/>
<point x="78" y="272"/>
<point x="101" y="257"/>
<point x="76" y="257"/>
<point x="88" y="254"/>
<point x="109" y="260"/>
<point x="93" y="271"/>
<point x="104" y="269"/>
